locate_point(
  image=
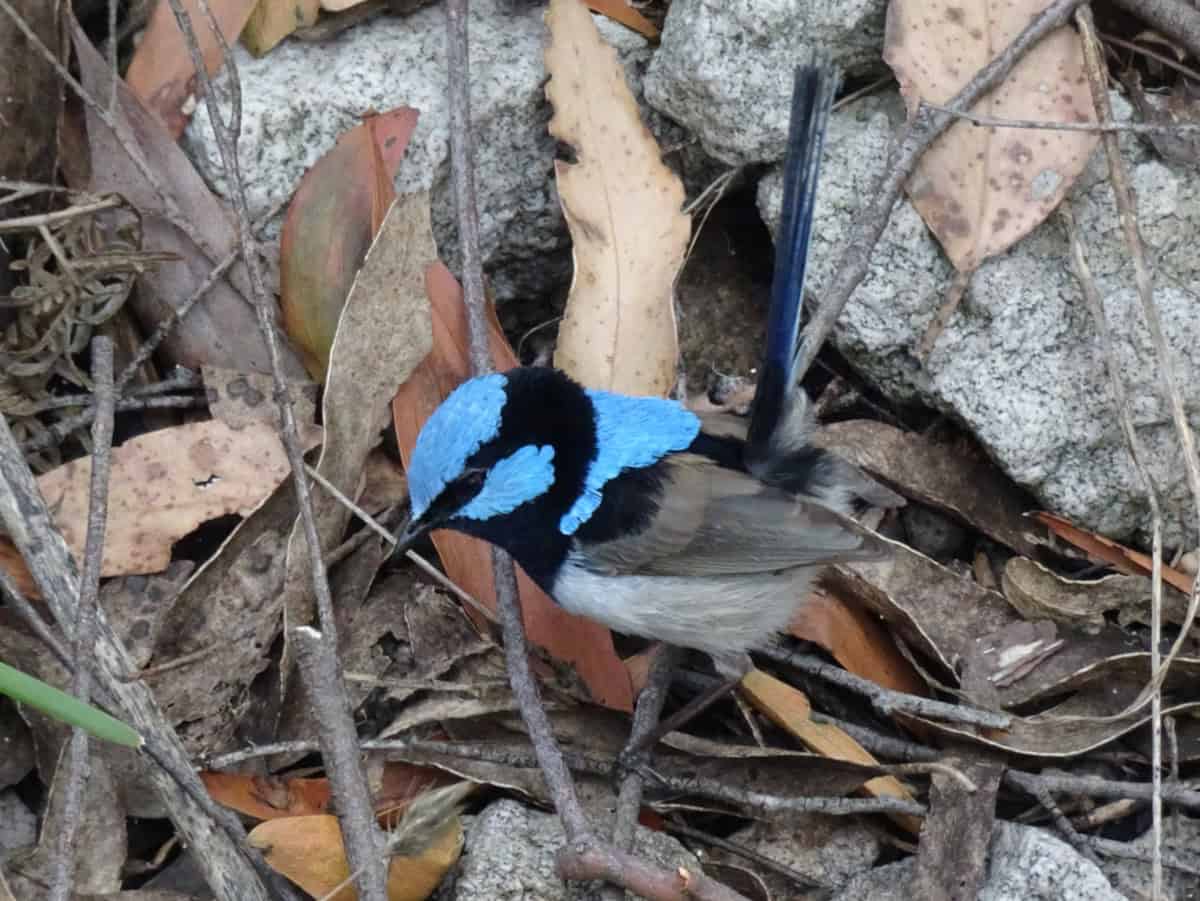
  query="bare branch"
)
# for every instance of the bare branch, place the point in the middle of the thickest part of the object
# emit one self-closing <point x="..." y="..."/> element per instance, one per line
<point x="63" y="864"/>
<point x="347" y="779"/>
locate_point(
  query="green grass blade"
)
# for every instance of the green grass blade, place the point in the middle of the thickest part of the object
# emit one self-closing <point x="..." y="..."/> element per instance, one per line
<point x="62" y="706"/>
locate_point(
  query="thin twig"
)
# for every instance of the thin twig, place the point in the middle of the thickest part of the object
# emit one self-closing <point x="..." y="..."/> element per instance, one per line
<point x="677" y="828"/>
<point x="1127" y="213"/>
<point x="62" y="866"/>
<point x="1174" y="18"/>
<point x="1140" y="128"/>
<point x="339" y="739"/>
<point x="1176" y="793"/>
<point x="424" y="565"/>
<point x="1152" y="54"/>
<point x="885" y="701"/>
<point x="851" y="267"/>
<point x="1066" y="827"/>
<point x="1124" y="412"/>
<point x="34" y="620"/>
<point x="929" y="768"/>
<point x="462" y="165"/>
<point x="649" y="708"/>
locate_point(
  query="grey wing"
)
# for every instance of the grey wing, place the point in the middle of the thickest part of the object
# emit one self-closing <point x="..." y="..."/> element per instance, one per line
<point x="714" y="521"/>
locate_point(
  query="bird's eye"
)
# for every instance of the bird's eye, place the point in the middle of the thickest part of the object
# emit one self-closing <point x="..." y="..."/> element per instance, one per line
<point x="474" y="478"/>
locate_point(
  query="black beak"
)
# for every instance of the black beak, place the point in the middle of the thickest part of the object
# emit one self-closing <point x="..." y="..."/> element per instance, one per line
<point x="409" y="534"/>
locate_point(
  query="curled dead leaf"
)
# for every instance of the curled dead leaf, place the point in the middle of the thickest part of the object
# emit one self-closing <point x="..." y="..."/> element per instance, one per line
<point x="981" y="189"/>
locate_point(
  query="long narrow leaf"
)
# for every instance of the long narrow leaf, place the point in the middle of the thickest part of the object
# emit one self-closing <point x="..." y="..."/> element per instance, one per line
<point x="60" y="705"/>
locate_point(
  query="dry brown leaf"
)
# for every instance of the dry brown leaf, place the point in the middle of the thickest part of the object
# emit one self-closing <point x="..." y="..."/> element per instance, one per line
<point x="857" y="640"/>
<point x="1116" y="555"/>
<point x="164" y="484"/>
<point x="936" y="474"/>
<point x="620" y="11"/>
<point x="1041" y="594"/>
<point x="223" y="330"/>
<point x="161" y="73"/>
<point x="309" y="852"/>
<point x="383" y="333"/>
<point x="937" y="612"/>
<point x="981" y="189"/>
<point x="584" y="644"/>
<point x="623" y="207"/>
<point x="789" y="709"/>
<point x="1058" y="733"/>
<point x="273" y="20"/>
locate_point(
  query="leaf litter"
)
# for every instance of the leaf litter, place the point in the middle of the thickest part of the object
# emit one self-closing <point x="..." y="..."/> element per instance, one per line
<point x="1060" y="650"/>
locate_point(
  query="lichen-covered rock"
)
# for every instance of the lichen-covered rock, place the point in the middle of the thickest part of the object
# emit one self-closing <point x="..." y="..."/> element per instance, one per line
<point x="724" y="67"/>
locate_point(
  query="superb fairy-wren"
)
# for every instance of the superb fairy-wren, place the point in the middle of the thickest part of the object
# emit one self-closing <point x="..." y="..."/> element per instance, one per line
<point x="640" y="514"/>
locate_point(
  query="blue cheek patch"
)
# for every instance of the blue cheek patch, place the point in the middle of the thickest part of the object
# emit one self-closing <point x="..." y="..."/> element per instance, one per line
<point x="466" y="420"/>
<point x="520" y="477"/>
<point x="631" y="432"/>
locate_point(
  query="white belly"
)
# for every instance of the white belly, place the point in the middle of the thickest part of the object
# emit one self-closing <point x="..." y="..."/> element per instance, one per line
<point x="721" y="615"/>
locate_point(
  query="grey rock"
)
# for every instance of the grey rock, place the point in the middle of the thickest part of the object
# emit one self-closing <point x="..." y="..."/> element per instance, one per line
<point x="1019" y="362"/>
<point x="510" y="854"/>
<point x="827" y="850"/>
<point x="17" y="756"/>
<point x="724" y="67"/>
<point x="18" y="824"/>
<point x="299" y="98"/>
<point x="1024" y="864"/>
<point x="1133" y="877"/>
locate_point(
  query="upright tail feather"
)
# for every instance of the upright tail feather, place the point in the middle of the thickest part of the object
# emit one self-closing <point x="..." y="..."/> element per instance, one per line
<point x="812" y="98"/>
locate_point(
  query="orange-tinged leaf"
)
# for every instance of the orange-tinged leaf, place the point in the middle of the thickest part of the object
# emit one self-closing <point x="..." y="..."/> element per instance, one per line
<point x="981" y="189"/>
<point x="1120" y="557"/>
<point x="620" y="11"/>
<point x="332" y="219"/>
<point x="268" y="797"/>
<point x="789" y="709"/>
<point x="585" y="644"/>
<point x="857" y="641"/>
<point x="161" y="72"/>
<point x="309" y="851"/>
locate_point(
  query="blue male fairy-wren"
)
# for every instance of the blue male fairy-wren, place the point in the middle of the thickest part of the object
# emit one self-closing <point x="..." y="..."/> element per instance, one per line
<point x="638" y="513"/>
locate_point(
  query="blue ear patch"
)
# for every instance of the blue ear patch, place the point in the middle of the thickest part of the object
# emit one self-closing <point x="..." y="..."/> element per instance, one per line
<point x="631" y="432"/>
<point x="465" y="421"/>
<point x="520" y="477"/>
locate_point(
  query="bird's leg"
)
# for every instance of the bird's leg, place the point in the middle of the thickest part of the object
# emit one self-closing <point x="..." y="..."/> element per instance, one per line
<point x="732" y="670"/>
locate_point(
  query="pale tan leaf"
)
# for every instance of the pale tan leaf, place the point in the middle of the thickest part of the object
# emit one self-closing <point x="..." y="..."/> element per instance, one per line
<point x="789" y="709"/>
<point x="164" y="484"/>
<point x="622" y="206"/>
<point x="383" y="333"/>
<point x="980" y="189"/>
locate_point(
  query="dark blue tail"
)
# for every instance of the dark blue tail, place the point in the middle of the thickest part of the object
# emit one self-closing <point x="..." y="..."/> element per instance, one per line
<point x="812" y="99"/>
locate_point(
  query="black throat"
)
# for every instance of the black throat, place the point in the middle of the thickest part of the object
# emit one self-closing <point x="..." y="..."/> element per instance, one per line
<point x="544" y="407"/>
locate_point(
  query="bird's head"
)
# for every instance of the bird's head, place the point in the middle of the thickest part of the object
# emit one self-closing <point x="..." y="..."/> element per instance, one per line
<point x="502" y="458"/>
